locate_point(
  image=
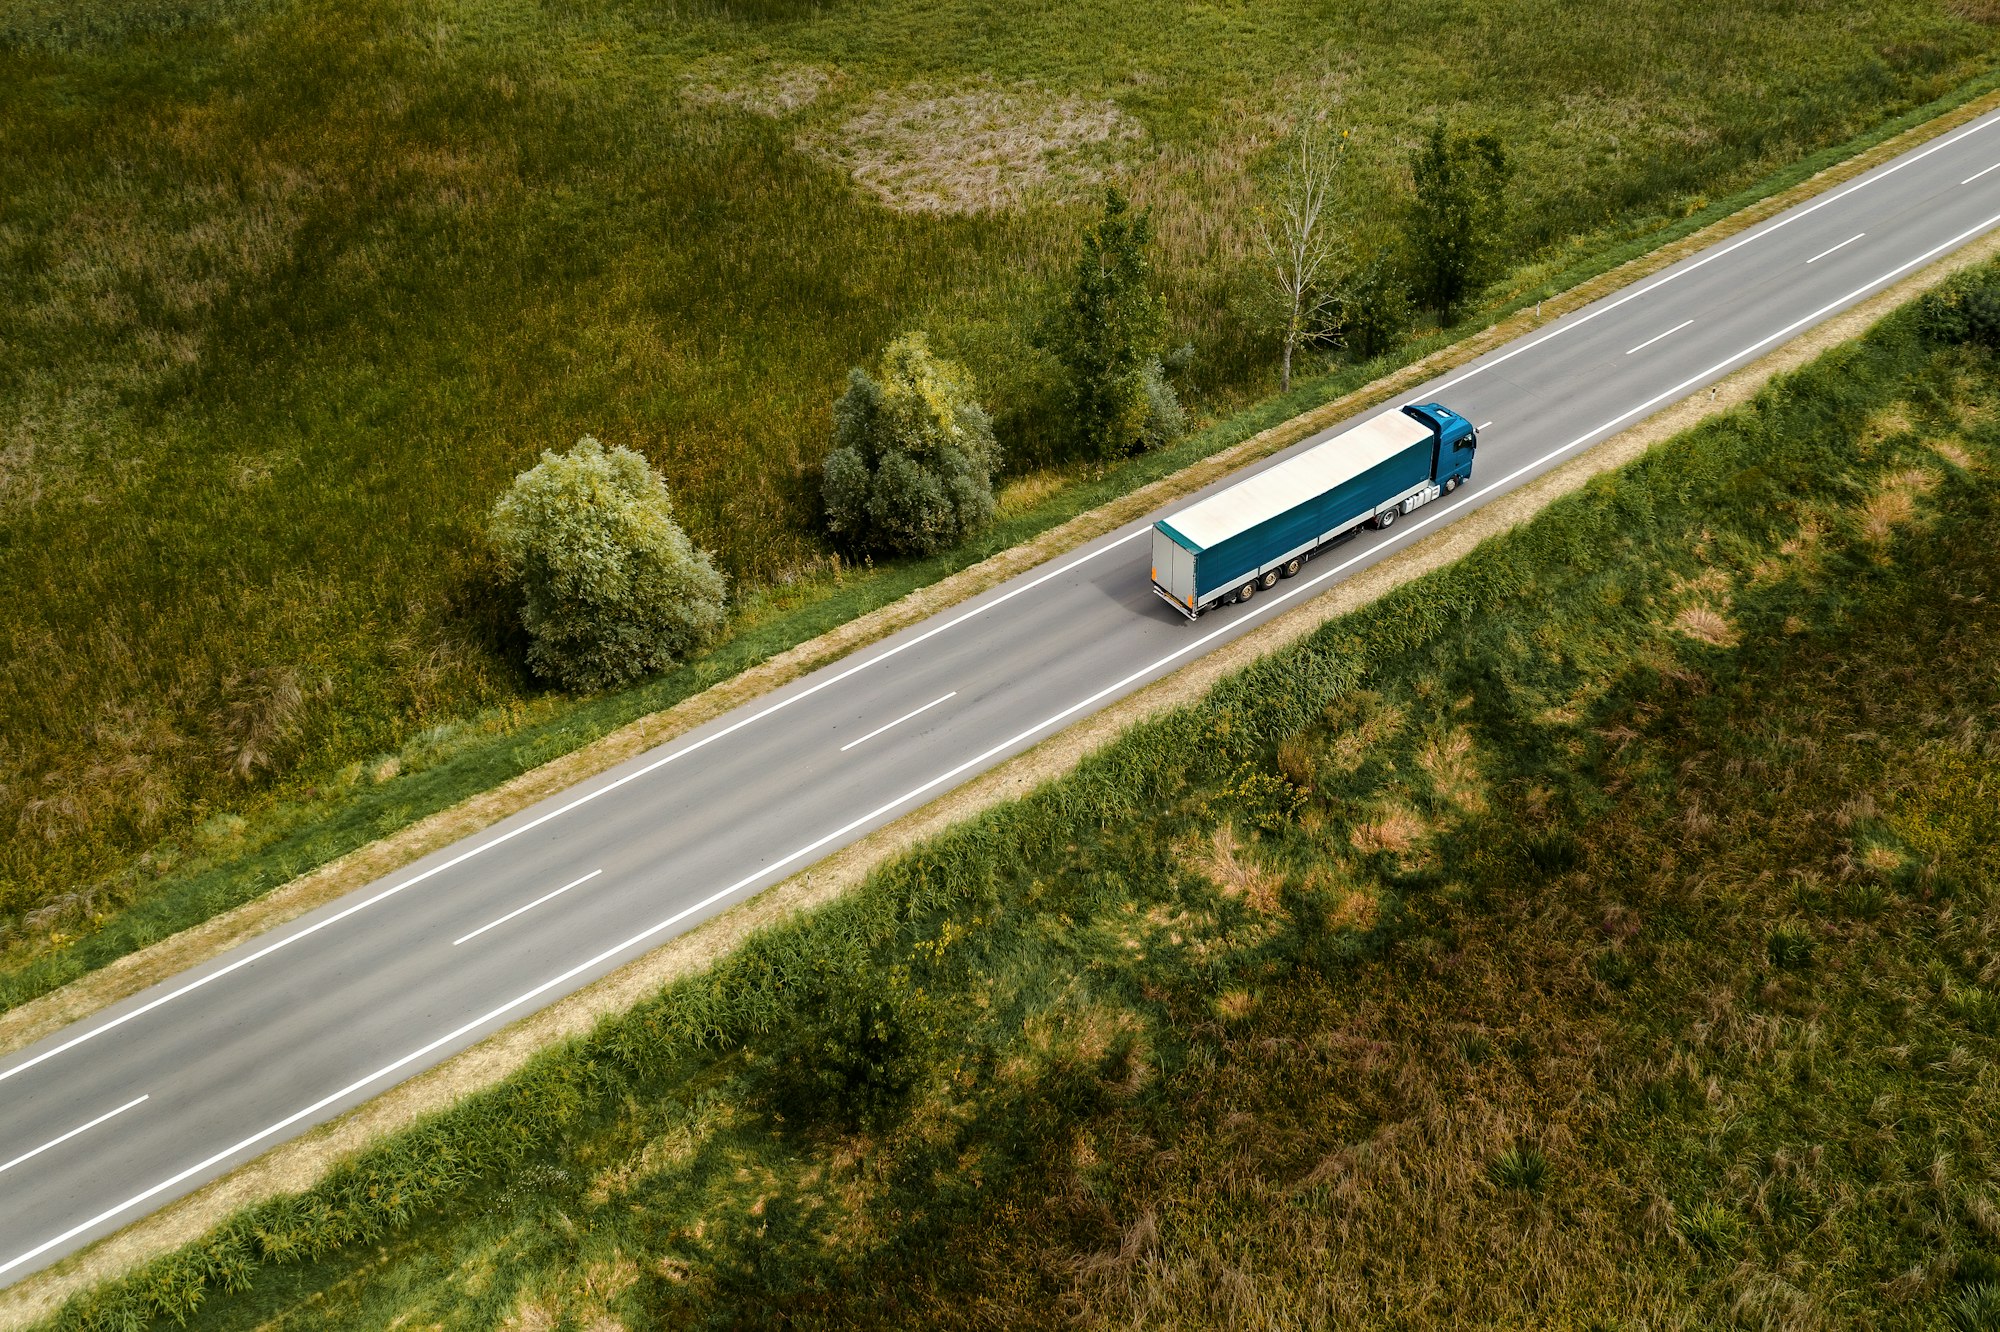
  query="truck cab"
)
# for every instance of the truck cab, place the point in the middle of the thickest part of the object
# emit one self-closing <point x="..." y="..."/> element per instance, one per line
<point x="1451" y="458"/>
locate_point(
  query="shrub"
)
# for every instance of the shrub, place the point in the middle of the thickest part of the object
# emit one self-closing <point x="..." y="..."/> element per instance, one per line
<point x="611" y="587"/>
<point x="911" y="471"/>
<point x="1373" y="308"/>
<point x="856" y="1066"/>
<point x="1961" y="312"/>
<point x="1165" y="420"/>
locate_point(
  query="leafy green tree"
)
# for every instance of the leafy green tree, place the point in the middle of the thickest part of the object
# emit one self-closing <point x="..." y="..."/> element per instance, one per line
<point x="1454" y="221"/>
<point x="1373" y="308"/>
<point x="911" y="470"/>
<point x="611" y="587"/>
<point x="1107" y="334"/>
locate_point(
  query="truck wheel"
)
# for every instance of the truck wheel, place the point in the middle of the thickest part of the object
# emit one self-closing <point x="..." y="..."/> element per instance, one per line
<point x="1247" y="591"/>
<point x="1385" y="520"/>
<point x="1450" y="484"/>
<point x="1292" y="566"/>
<point x="1269" y="580"/>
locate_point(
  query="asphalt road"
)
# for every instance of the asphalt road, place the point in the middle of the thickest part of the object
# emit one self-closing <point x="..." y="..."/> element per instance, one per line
<point x="150" y="1099"/>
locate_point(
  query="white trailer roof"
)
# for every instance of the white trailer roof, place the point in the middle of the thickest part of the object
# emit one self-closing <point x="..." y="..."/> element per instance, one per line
<point x="1319" y="469"/>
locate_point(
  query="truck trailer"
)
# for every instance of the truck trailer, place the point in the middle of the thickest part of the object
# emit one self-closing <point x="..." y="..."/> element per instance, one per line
<point x="1265" y="527"/>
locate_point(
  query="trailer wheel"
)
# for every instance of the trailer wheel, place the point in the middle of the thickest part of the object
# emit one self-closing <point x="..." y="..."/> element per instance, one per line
<point x="1385" y="520"/>
<point x="1450" y="484"/>
<point x="1247" y="591"/>
<point x="1269" y="580"/>
<point x="1293" y="565"/>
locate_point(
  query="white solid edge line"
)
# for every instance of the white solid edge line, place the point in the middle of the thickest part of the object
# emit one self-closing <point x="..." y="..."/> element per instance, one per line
<point x="1262" y="607"/>
<point x="1756" y="233"/>
<point x="81" y="1128"/>
<point x="898" y="722"/>
<point x="1831" y="248"/>
<point x="1657" y="336"/>
<point x="1977" y="174"/>
<point x="530" y="907"/>
<point x="581" y="800"/>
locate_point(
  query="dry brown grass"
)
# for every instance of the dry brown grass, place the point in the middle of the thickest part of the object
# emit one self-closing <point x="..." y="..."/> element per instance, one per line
<point x="1453" y="770"/>
<point x="1882" y="859"/>
<point x="1889" y="423"/>
<point x="1404" y="1212"/>
<point x="581" y="1301"/>
<point x="1222" y="861"/>
<point x="1806" y="539"/>
<point x="1895" y="503"/>
<point x="1217" y="171"/>
<point x="1352" y="746"/>
<point x="533" y="1314"/>
<point x="771" y="89"/>
<point x="1082" y="1034"/>
<point x="1396" y="829"/>
<point x="1952" y="454"/>
<point x="1709" y="583"/>
<point x="1706" y="625"/>
<point x="1347" y="905"/>
<point x="982" y="149"/>
<point x="1796" y="553"/>
<point x="675" y="1147"/>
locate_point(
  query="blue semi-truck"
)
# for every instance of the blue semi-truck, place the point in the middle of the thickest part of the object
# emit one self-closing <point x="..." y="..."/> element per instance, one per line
<point x="1238" y="541"/>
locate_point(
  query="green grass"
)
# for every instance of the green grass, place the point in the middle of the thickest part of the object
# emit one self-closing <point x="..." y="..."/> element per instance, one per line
<point x="288" y="293"/>
<point x="1596" y="933"/>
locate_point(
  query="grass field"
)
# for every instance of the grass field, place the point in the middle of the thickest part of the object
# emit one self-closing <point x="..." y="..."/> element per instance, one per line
<point x="288" y="292"/>
<point x="1598" y="933"/>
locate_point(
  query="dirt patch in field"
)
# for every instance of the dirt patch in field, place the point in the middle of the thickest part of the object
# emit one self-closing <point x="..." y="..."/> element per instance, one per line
<point x="924" y="149"/>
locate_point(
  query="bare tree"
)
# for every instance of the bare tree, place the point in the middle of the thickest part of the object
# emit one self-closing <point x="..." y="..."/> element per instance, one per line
<point x="1297" y="227"/>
